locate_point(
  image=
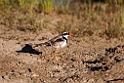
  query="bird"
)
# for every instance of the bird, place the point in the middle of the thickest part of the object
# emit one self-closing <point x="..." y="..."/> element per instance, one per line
<point x="57" y="42"/>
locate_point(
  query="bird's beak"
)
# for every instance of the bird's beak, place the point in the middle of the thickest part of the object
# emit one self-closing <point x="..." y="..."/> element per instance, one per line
<point x="70" y="35"/>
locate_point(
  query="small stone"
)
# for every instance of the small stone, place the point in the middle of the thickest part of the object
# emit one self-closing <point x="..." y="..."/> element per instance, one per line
<point x="3" y="77"/>
<point x="13" y="71"/>
<point x="29" y="70"/>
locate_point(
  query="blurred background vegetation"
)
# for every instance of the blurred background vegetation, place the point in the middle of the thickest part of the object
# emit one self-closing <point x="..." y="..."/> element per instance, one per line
<point x="47" y="5"/>
<point x="103" y="16"/>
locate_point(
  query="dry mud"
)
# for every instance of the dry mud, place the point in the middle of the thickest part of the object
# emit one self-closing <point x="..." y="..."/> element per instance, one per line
<point x="83" y="60"/>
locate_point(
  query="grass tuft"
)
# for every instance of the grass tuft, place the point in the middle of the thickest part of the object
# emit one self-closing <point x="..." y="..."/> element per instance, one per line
<point x="114" y="32"/>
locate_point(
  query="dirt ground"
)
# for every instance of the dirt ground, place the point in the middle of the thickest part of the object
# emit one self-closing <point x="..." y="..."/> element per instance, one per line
<point x="83" y="60"/>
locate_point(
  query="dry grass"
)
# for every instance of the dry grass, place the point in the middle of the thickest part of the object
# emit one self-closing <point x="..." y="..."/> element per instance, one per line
<point x="83" y="19"/>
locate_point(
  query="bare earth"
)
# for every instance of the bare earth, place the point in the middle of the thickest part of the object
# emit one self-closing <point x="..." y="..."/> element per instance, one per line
<point x="83" y="60"/>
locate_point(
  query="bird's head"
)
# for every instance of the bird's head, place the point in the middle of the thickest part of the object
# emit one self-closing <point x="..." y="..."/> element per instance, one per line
<point x="66" y="34"/>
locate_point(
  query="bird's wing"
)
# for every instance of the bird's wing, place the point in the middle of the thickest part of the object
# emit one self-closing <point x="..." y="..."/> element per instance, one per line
<point x="55" y="38"/>
<point x="55" y="41"/>
<point x="51" y="42"/>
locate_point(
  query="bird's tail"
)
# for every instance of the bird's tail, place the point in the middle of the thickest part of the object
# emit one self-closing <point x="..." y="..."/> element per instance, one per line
<point x="36" y="45"/>
<point x="42" y="44"/>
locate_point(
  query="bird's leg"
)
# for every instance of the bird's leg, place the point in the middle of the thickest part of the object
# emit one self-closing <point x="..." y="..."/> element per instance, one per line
<point x="55" y="54"/>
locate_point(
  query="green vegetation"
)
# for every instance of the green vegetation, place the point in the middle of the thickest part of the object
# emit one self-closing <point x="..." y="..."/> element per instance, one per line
<point x="47" y="5"/>
<point x="80" y="18"/>
<point x="28" y="5"/>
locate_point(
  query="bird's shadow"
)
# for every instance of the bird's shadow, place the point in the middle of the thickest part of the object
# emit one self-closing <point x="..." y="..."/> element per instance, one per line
<point x="28" y="49"/>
